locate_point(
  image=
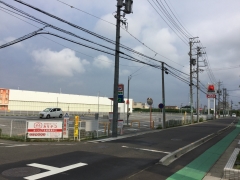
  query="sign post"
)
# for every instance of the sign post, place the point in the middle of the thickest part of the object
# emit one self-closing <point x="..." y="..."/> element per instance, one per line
<point x="150" y="102"/>
<point x="65" y="125"/>
<point x="161" y="106"/>
<point x="211" y="94"/>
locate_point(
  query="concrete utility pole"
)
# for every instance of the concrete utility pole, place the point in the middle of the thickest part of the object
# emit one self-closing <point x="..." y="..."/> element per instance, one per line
<point x="219" y="92"/>
<point x="191" y="42"/>
<point x="224" y="102"/>
<point x="127" y="10"/>
<point x="116" y="74"/>
<point x="198" y="54"/>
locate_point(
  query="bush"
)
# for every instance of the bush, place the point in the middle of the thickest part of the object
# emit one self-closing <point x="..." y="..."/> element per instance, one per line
<point x="201" y="119"/>
<point x="159" y="126"/>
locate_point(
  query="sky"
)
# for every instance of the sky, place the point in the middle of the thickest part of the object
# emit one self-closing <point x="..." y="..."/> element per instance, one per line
<point x="50" y="64"/>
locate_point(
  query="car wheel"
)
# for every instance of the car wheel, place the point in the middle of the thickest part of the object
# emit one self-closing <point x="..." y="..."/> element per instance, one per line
<point x="60" y="116"/>
<point x="48" y="116"/>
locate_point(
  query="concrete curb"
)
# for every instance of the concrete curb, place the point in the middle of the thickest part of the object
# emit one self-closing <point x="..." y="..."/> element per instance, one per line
<point x="168" y="159"/>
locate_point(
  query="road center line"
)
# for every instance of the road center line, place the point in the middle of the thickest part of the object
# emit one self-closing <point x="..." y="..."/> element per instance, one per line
<point x="151" y="150"/>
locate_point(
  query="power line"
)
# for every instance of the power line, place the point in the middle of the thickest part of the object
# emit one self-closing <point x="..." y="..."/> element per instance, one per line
<point x="58" y="42"/>
<point x="121" y="28"/>
<point x="167" y="23"/>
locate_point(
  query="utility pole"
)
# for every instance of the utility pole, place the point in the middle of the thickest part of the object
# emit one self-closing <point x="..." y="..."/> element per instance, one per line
<point x="163" y="96"/>
<point x="219" y="92"/>
<point x="129" y="78"/>
<point x="198" y="54"/>
<point x="127" y="10"/>
<point x="224" y="102"/>
<point x="191" y="42"/>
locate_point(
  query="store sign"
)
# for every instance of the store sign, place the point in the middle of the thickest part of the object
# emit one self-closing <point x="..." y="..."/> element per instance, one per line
<point x="211" y="95"/>
<point x="76" y="122"/>
<point x="44" y="129"/>
<point x="120" y="93"/>
<point x="65" y="126"/>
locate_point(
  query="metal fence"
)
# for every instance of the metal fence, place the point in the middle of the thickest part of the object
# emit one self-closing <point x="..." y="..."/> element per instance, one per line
<point x="17" y="129"/>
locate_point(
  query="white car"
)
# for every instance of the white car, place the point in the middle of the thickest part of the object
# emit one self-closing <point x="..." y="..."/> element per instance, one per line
<point x="51" y="112"/>
<point x="234" y="115"/>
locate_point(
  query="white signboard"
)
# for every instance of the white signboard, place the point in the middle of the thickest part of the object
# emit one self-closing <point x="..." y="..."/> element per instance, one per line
<point x="65" y="125"/>
<point x="44" y="129"/>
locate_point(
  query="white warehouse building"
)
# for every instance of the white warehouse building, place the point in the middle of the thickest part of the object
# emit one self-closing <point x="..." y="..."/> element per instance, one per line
<point x="21" y="100"/>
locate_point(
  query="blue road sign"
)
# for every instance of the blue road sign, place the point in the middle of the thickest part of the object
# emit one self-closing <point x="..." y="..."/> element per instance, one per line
<point x="161" y="105"/>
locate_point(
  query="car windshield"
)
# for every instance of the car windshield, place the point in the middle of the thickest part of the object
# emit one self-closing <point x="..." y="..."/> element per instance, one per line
<point x="47" y="109"/>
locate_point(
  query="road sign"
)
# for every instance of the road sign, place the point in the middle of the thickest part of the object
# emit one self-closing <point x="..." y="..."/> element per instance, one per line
<point x="161" y="105"/>
<point x="149" y="101"/>
<point x="211" y="95"/>
<point x="66" y="115"/>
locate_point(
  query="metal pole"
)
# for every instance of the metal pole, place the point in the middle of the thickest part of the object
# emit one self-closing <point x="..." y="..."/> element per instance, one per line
<point x="98" y="103"/>
<point x="163" y="96"/>
<point x="116" y="77"/>
<point x="198" y="51"/>
<point x="129" y="78"/>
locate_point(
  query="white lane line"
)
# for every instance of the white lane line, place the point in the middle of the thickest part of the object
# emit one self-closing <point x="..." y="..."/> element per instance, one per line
<point x="52" y="170"/>
<point x="17" y="145"/>
<point x="2" y="125"/>
<point x="151" y="150"/>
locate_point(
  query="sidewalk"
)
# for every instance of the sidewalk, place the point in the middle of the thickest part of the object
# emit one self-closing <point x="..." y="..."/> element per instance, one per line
<point x="210" y="164"/>
<point x="216" y="172"/>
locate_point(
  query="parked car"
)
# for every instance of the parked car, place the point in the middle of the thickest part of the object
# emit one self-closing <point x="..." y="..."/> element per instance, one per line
<point x="51" y="112"/>
<point x="234" y="115"/>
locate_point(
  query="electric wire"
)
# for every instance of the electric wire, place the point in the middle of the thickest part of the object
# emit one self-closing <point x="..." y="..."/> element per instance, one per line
<point x="171" y="19"/>
<point x="156" y="53"/>
<point x="79" y="43"/>
<point x="167" y="23"/>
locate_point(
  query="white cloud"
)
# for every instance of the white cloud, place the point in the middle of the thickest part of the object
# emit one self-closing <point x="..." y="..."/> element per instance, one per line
<point x="103" y="62"/>
<point x="62" y="63"/>
<point x="9" y="39"/>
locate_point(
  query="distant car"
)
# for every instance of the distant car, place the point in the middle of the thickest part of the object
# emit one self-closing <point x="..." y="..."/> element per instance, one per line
<point x="51" y="112"/>
<point x="234" y="115"/>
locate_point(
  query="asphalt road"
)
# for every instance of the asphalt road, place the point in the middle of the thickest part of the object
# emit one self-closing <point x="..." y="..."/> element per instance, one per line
<point x="128" y="158"/>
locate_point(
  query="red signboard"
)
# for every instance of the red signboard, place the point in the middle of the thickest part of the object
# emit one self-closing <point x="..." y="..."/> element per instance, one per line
<point x="211" y="95"/>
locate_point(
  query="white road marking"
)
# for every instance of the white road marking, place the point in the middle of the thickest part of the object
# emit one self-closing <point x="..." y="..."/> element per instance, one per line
<point x="17" y="145"/>
<point x="52" y="170"/>
<point x="2" y="125"/>
<point x="151" y="150"/>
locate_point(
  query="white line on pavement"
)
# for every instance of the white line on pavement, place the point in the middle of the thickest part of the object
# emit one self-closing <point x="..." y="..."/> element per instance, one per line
<point x="52" y="170"/>
<point x="17" y="145"/>
<point x="2" y="125"/>
<point x="151" y="150"/>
